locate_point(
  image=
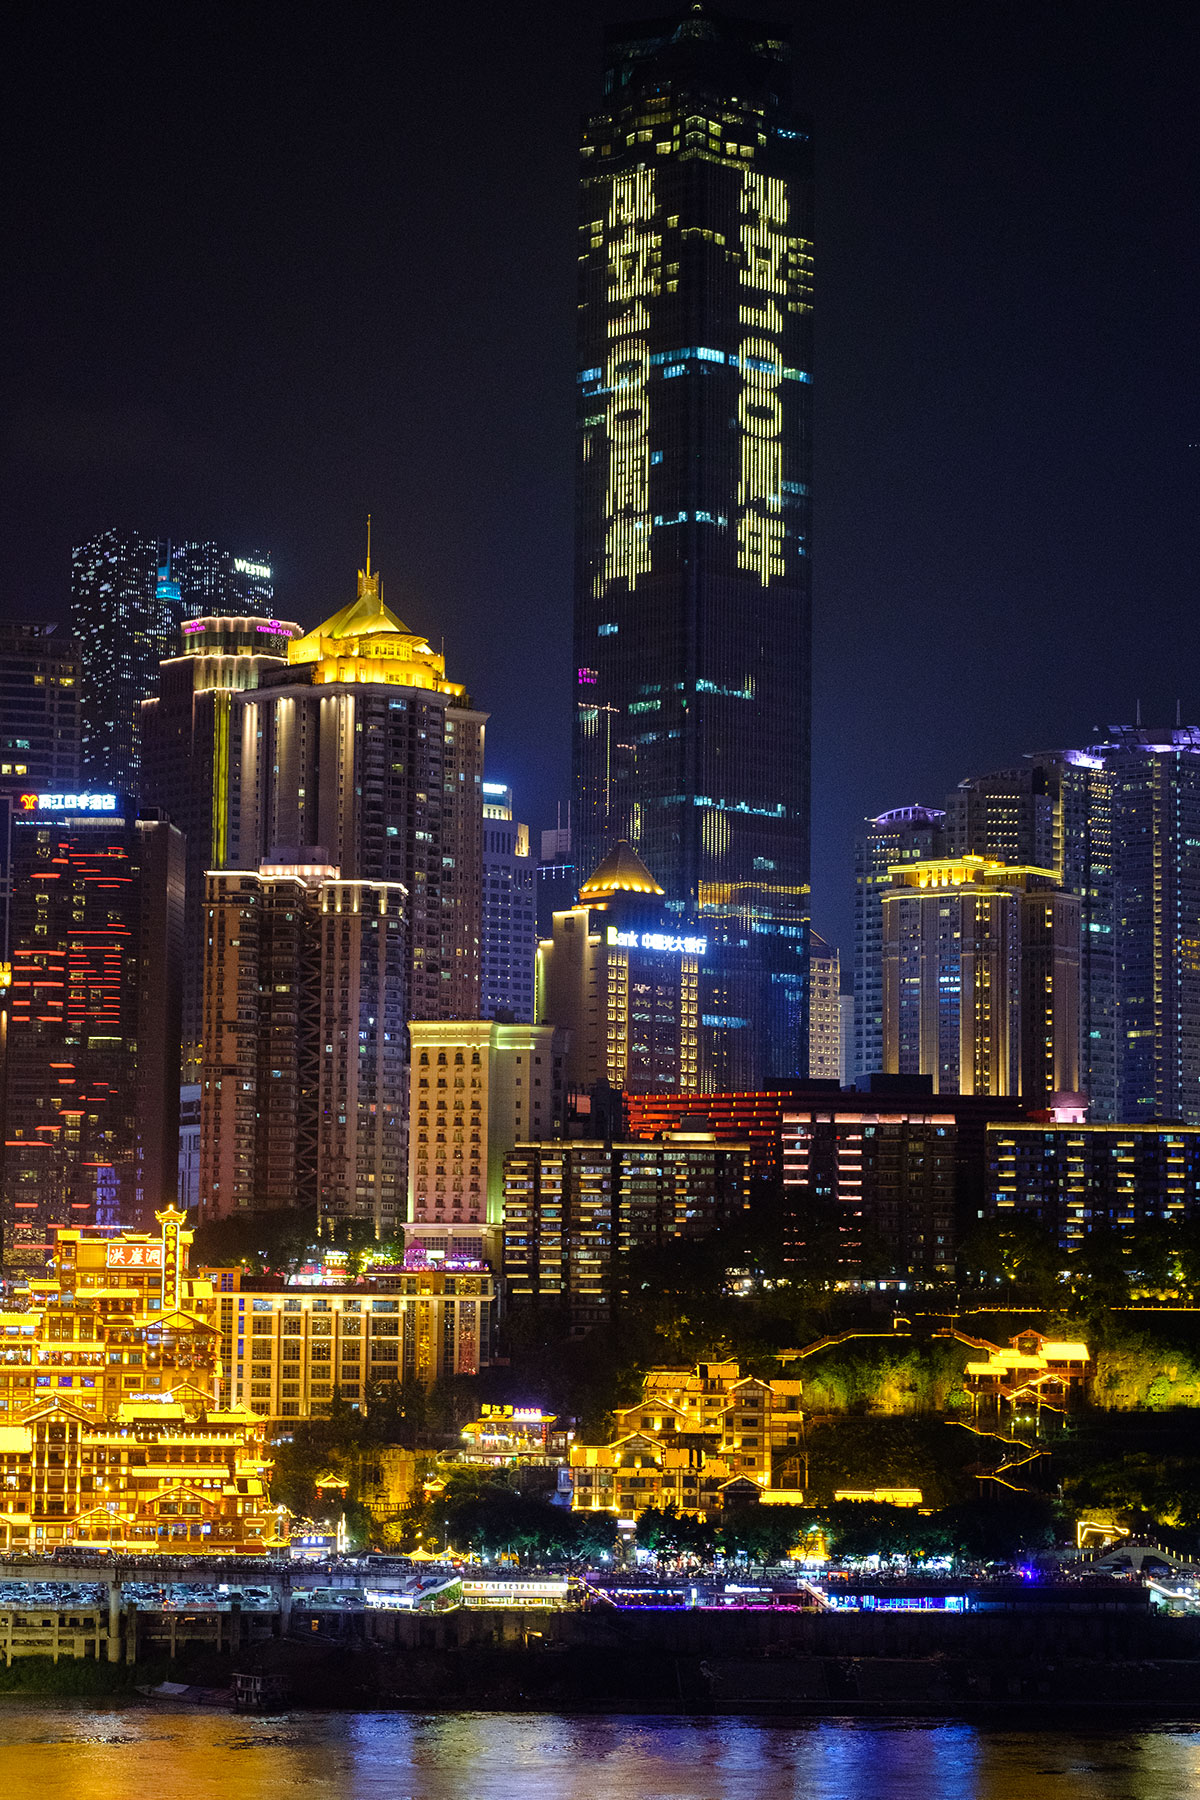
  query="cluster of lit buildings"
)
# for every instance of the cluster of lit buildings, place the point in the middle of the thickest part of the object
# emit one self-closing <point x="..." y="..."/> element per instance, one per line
<point x="272" y="940"/>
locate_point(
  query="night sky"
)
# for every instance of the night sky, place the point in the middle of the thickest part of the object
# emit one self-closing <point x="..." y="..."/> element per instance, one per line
<point x="270" y="268"/>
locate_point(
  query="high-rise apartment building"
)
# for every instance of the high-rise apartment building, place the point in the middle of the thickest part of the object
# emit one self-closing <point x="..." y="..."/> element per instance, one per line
<point x="981" y="978"/>
<point x="572" y="1209"/>
<point x="692" y="609"/>
<point x="304" y="1069"/>
<point x="361" y="754"/>
<point x="129" y="594"/>
<point x="825" y="1011"/>
<point x="92" y="1109"/>
<point x="1074" y="1178"/>
<point x="185" y="765"/>
<point x="509" y="910"/>
<point x="477" y="1088"/>
<point x="905" y="834"/>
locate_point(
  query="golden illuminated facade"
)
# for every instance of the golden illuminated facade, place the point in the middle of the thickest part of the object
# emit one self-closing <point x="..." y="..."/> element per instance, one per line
<point x="694" y="1438"/>
<point x="363" y="755"/>
<point x="285" y="1355"/>
<point x="981" y="978"/>
<point x="825" y="1011"/>
<point x="694" y="430"/>
<point x="112" y="1430"/>
<point x="477" y="1088"/>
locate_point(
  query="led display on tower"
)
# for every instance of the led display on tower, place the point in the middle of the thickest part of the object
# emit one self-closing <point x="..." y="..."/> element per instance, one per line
<point x="692" y="611"/>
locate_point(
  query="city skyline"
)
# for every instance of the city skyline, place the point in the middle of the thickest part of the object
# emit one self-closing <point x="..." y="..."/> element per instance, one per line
<point x="964" y="305"/>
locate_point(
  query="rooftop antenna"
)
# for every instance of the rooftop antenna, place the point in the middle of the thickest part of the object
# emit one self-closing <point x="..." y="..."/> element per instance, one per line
<point x="1178" y="710"/>
<point x="368" y="543"/>
<point x="1139" y="713"/>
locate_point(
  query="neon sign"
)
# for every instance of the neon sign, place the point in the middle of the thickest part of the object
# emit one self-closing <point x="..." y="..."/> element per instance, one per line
<point x="657" y="940"/>
<point x="69" y="803"/>
<point x="259" y="570"/>
<point x="134" y="1256"/>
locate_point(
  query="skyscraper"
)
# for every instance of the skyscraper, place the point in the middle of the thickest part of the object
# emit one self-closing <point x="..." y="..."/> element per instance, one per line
<point x="185" y="765"/>
<point x="361" y="754"/>
<point x="92" y="1107"/>
<point x="825" y="1011"/>
<point x="692" y="610"/>
<point x="905" y="834"/>
<point x="304" y="1089"/>
<point x="129" y="594"/>
<point x="509" y="921"/>
<point x="981" y="978"/>
<point x="39" y="727"/>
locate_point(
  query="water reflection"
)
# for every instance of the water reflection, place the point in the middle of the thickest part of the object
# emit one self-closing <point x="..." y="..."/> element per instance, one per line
<point x="134" y="1753"/>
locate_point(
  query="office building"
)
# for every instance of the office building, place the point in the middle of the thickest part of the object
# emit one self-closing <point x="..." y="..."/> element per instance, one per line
<point x="1054" y="811"/>
<point x="362" y="755"/>
<point x="509" y="906"/>
<point x="825" y="1011"/>
<point x="477" y="1088"/>
<point x="114" y="1435"/>
<point x="692" y="609"/>
<point x="130" y="593"/>
<point x="572" y="1209"/>
<point x="981" y="978"/>
<point x="92" y="1114"/>
<point x="303" y="1092"/>
<point x="622" y="976"/>
<point x="905" y="834"/>
<point x="1073" y="1178"/>
<point x="40" y="677"/>
<point x="285" y="1355"/>
<point x="557" y="885"/>
<point x="184" y="734"/>
<point x="40" y="741"/>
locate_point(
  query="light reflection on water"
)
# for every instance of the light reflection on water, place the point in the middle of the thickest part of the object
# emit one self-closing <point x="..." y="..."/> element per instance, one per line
<point x="138" y="1753"/>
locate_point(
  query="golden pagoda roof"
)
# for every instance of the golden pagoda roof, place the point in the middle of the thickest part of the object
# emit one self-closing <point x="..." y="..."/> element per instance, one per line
<point x="366" y="641"/>
<point x="621" y="872"/>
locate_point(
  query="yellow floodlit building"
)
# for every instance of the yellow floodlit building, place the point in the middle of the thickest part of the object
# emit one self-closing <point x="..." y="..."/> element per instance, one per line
<point x="112" y="1432"/>
<point x="695" y="1439"/>
<point x="1033" y="1368"/>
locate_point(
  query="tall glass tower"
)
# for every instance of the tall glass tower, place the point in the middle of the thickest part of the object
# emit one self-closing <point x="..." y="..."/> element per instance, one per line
<point x="692" y="593"/>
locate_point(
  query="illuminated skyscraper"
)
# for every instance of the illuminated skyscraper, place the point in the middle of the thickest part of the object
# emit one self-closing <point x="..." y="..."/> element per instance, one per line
<point x="92" y="1105"/>
<point x="692" y="610"/>
<point x="905" y="834"/>
<point x="129" y="594"/>
<point x="825" y="1011"/>
<point x="185" y="756"/>
<point x="981" y="978"/>
<point x="361" y="754"/>
<point x="304" y="1076"/>
<point x="509" y="919"/>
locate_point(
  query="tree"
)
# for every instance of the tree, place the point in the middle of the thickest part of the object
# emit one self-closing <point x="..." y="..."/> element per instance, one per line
<point x="1015" y="1252"/>
<point x="263" y="1243"/>
<point x="1098" y="1271"/>
<point x="765" y="1534"/>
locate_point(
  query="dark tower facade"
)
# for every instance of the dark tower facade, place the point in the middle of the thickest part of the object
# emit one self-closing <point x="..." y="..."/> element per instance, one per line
<point x="692" y="595"/>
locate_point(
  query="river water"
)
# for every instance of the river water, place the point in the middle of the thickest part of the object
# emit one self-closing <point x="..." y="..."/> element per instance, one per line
<point x="140" y="1753"/>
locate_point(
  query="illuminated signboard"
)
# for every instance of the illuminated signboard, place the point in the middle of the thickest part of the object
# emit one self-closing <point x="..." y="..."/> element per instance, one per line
<point x="259" y="570"/>
<point x="69" y="803"/>
<point x="633" y="279"/>
<point x="134" y="1256"/>
<point x="657" y="940"/>
<point x="764" y="271"/>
